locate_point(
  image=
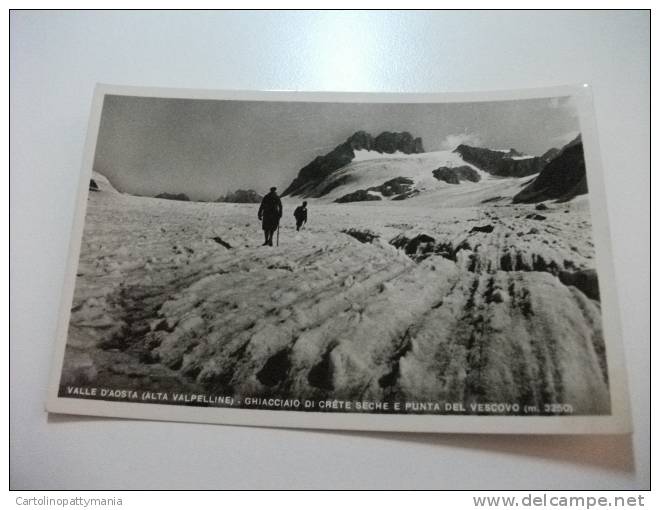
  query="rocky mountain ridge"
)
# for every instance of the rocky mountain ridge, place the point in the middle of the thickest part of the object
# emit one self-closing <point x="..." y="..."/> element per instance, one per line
<point x="499" y="163"/>
<point x="562" y="179"/>
<point x="322" y="166"/>
<point x="241" y="196"/>
<point x="364" y="168"/>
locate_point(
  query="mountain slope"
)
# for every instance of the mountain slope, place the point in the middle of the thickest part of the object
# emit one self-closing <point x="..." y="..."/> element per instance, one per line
<point x="562" y="179"/>
<point x="550" y="154"/>
<point x="468" y="176"/>
<point x="370" y="170"/>
<point x="431" y="179"/>
<point x="315" y="172"/>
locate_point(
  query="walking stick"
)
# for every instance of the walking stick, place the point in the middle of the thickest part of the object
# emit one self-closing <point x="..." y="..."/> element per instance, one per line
<point x="278" y="234"/>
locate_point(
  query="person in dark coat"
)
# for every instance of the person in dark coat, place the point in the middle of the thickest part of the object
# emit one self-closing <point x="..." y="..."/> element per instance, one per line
<point x="300" y="214"/>
<point x="270" y="212"/>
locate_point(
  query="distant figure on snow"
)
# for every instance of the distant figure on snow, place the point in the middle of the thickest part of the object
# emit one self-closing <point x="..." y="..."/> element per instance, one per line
<point x="270" y="212"/>
<point x="300" y="214"/>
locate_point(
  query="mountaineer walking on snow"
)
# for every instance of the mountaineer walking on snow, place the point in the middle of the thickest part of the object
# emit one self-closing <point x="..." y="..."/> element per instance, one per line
<point x="300" y="214"/>
<point x="270" y="212"/>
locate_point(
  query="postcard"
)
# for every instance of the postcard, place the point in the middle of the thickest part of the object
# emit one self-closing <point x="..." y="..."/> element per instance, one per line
<point x="386" y="262"/>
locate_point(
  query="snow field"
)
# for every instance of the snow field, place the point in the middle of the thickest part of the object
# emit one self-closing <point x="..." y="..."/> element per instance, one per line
<point x="472" y="316"/>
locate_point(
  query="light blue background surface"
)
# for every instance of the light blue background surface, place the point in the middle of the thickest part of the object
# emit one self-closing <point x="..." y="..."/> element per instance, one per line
<point x="57" y="57"/>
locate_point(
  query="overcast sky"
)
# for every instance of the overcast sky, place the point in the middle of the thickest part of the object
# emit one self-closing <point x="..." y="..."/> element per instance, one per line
<point x="206" y="148"/>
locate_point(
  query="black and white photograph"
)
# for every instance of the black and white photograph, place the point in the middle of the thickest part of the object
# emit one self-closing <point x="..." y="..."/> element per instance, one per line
<point x="337" y="257"/>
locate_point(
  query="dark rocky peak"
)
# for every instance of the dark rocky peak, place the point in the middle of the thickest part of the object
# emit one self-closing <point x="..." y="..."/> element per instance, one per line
<point x="313" y="174"/>
<point x="241" y="196"/>
<point x="387" y="142"/>
<point x="390" y="143"/>
<point x="361" y="140"/>
<point x="577" y="140"/>
<point x="562" y="179"/>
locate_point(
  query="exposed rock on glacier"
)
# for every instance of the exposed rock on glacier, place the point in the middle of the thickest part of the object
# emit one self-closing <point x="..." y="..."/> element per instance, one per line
<point x="364" y="236"/>
<point x="396" y="186"/>
<point x="174" y="196"/>
<point x="503" y="164"/>
<point x="456" y="175"/>
<point x="360" y="195"/>
<point x="399" y="188"/>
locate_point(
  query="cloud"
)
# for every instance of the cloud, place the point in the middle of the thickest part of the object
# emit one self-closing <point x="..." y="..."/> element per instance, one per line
<point x="453" y="141"/>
